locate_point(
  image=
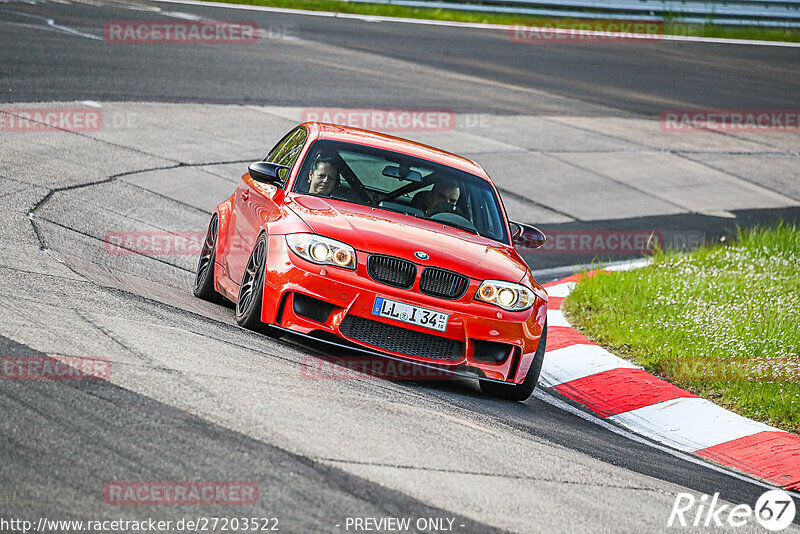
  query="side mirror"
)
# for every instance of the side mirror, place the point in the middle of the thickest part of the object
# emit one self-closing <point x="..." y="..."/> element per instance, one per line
<point x="526" y="236"/>
<point x="262" y="171"/>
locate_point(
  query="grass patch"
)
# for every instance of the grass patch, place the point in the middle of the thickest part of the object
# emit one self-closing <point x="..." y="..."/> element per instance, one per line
<point x="670" y="27"/>
<point x="722" y="322"/>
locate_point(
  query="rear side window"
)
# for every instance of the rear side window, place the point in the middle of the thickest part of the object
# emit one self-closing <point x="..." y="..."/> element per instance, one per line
<point x="287" y="150"/>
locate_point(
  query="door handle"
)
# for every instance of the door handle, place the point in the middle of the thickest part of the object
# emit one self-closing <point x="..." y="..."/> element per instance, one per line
<point x="245" y="195"/>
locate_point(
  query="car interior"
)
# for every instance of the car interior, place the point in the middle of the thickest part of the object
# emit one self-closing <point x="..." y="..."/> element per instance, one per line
<point x="405" y="184"/>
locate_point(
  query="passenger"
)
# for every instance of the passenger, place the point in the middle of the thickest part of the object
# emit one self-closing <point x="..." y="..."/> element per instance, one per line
<point x="323" y="176"/>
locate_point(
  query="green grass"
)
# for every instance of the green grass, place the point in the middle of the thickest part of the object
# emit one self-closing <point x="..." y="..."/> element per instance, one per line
<point x="722" y="322"/>
<point x="387" y="10"/>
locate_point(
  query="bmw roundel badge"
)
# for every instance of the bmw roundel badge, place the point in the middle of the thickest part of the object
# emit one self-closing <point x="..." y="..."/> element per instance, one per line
<point x="421" y="255"/>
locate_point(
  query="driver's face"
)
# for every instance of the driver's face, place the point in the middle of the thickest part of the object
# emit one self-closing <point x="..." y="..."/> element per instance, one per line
<point x="322" y="179"/>
<point x="438" y="196"/>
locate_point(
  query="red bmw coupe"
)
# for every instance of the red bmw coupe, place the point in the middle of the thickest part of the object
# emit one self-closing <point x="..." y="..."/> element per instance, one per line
<point x="384" y="244"/>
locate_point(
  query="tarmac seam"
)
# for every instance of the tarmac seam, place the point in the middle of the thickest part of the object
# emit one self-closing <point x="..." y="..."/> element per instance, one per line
<point x="736" y="176"/>
<point x="626" y="185"/>
<point x="7" y="111"/>
<point x="485" y="474"/>
<point x="46" y="198"/>
<point x="45" y="248"/>
<point x="644" y="117"/>
<point x="526" y="200"/>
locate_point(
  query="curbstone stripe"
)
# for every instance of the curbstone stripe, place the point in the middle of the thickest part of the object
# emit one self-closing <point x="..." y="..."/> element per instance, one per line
<point x="620" y="390"/>
<point x="617" y="390"/>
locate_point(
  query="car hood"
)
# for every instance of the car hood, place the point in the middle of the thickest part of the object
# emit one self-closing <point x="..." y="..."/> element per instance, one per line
<point x="375" y="230"/>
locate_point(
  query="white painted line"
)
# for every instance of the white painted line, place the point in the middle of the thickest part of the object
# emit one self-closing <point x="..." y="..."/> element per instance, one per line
<point x="689" y="424"/>
<point x="288" y="11"/>
<point x="563" y="272"/>
<point x="556" y="318"/>
<point x="579" y="361"/>
<point x="184" y="16"/>
<point x="546" y="396"/>
<point x="480" y="26"/>
<point x="66" y="29"/>
<point x="629" y="265"/>
<point x="51" y="23"/>
<point x="560" y="290"/>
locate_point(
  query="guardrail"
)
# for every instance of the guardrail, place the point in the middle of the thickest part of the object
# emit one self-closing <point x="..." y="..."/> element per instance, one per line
<point x="774" y="13"/>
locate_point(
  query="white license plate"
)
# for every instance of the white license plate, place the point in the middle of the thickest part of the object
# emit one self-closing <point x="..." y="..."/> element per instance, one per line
<point x="408" y="313"/>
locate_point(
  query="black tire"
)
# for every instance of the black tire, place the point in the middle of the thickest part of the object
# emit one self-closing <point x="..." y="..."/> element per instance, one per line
<point x="520" y="392"/>
<point x="204" y="277"/>
<point x="251" y="291"/>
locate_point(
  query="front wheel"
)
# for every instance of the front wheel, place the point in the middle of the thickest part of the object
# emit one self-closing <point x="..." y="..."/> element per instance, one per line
<point x="520" y="392"/>
<point x="251" y="291"/>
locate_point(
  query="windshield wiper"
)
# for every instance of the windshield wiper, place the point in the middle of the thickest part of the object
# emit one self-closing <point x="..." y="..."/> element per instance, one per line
<point x="465" y="228"/>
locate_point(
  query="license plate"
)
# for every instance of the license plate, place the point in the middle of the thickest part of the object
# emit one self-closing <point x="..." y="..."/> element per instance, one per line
<point x="408" y="313"/>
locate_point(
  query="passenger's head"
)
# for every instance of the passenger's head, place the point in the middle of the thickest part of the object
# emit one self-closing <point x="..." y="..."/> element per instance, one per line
<point x="323" y="175"/>
<point x="445" y="189"/>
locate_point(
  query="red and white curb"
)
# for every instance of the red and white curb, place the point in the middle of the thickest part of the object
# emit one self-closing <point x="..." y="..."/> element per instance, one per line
<point x="619" y="391"/>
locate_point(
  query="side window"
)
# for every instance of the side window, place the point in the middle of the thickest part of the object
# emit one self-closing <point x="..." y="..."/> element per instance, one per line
<point x="287" y="150"/>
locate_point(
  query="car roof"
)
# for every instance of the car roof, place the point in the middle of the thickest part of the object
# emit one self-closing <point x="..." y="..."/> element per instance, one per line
<point x="349" y="134"/>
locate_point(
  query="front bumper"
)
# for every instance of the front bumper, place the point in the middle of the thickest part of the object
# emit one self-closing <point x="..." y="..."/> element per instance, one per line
<point x="347" y="298"/>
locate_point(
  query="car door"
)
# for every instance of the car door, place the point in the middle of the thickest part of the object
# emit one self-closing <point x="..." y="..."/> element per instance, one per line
<point x="253" y="204"/>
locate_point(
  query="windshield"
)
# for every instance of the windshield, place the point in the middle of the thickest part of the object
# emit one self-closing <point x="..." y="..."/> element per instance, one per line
<point x="397" y="182"/>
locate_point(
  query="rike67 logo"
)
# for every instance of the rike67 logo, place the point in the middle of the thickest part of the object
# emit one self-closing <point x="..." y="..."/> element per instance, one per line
<point x="774" y="510"/>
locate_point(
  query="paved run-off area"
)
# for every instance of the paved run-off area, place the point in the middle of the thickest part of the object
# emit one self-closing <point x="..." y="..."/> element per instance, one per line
<point x="192" y="396"/>
<point x="569" y="132"/>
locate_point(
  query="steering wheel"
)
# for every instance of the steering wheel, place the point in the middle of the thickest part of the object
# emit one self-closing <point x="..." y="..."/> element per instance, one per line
<point x="446" y="207"/>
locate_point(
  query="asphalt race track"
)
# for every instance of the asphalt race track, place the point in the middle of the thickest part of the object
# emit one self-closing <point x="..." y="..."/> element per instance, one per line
<point x="639" y="78"/>
<point x="570" y="133"/>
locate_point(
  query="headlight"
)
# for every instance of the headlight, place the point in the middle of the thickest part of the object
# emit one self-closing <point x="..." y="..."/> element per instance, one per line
<point x="322" y="250"/>
<point x="507" y="295"/>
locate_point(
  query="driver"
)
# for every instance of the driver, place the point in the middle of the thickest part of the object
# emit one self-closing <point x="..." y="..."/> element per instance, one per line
<point x="323" y="175"/>
<point x="445" y="189"/>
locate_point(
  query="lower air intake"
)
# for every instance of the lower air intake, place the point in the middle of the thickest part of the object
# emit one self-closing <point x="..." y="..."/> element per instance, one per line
<point x="397" y="339"/>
